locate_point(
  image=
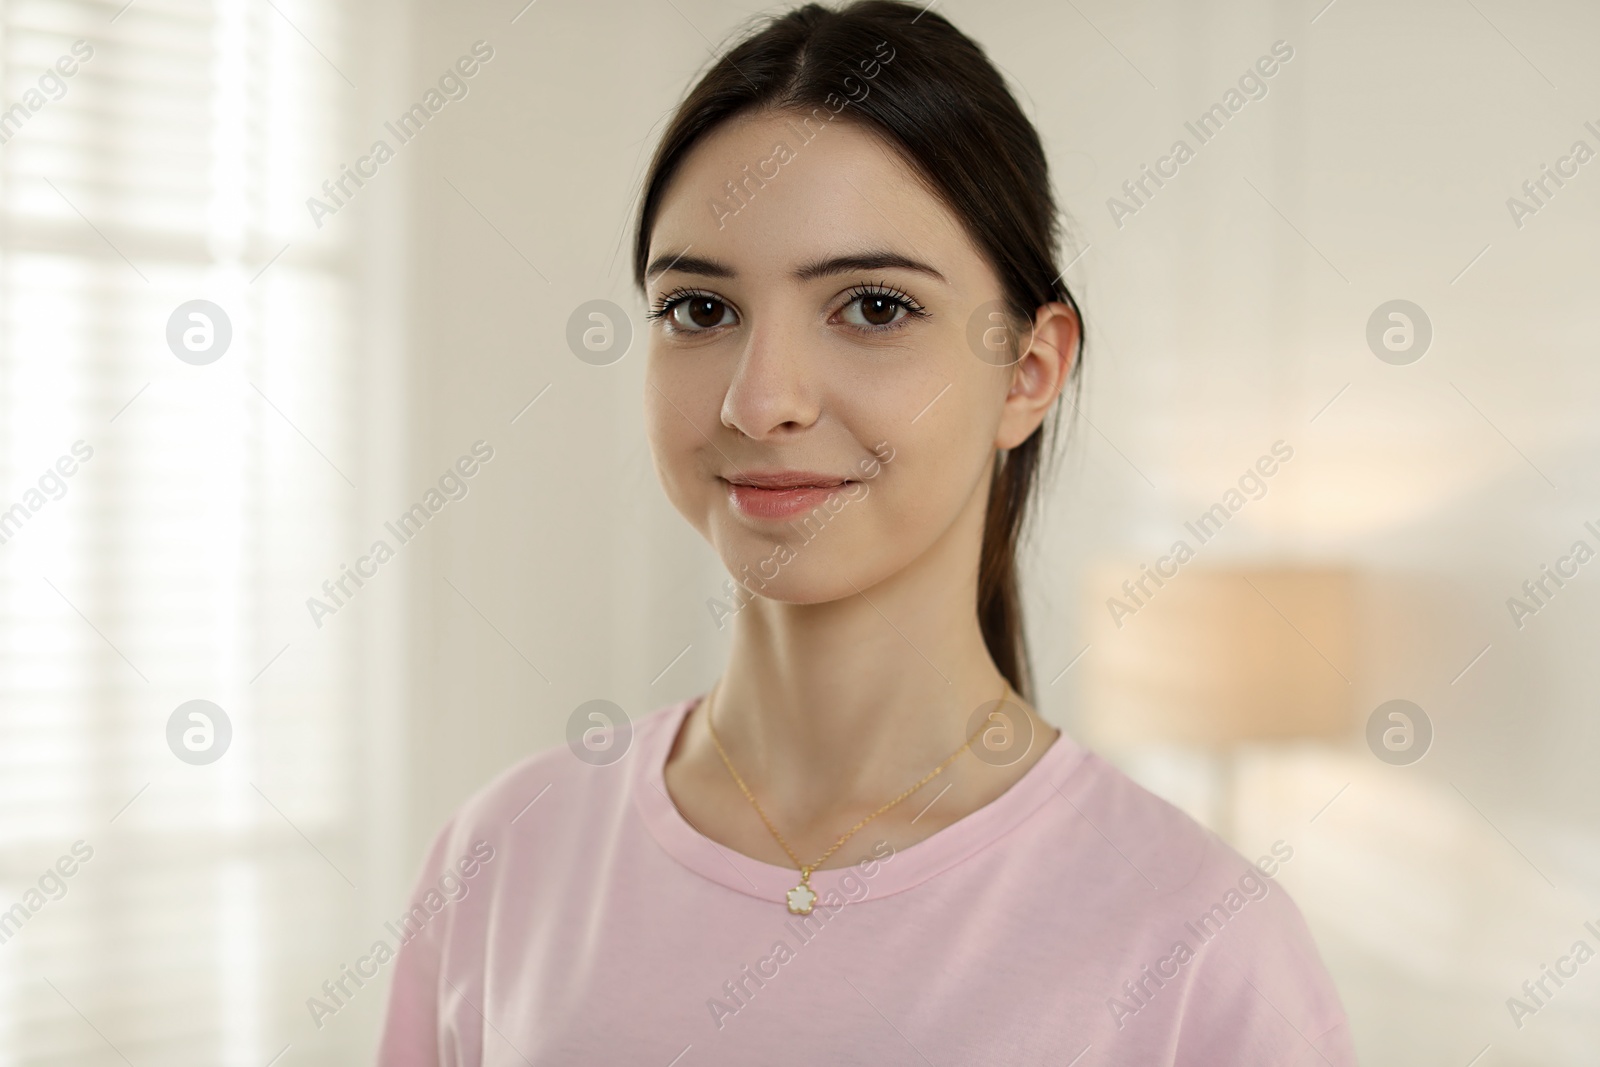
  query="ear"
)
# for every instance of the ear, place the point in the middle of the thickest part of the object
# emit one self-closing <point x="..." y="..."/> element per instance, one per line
<point x="1040" y="373"/>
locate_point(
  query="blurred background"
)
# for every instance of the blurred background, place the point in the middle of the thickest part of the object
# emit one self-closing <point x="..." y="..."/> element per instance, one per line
<point x="238" y="343"/>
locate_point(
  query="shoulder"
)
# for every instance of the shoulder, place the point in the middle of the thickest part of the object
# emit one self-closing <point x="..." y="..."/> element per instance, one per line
<point x="516" y="841"/>
<point x="1148" y="852"/>
<point x="1207" y="937"/>
<point x="562" y="790"/>
<point x="594" y="768"/>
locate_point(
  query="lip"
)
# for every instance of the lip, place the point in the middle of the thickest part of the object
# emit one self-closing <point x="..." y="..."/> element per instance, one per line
<point x="781" y="494"/>
<point x="786" y="479"/>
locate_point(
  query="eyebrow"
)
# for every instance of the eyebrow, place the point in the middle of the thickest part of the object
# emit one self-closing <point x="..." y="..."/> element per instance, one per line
<point x="877" y="259"/>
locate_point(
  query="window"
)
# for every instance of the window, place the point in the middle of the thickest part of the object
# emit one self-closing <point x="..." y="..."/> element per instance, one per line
<point x="162" y="522"/>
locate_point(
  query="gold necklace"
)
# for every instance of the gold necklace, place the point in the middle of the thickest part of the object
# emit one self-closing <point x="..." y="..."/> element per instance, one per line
<point x="802" y="896"/>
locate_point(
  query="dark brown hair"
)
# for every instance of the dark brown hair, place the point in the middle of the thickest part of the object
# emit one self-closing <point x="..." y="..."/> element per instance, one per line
<point x="945" y="108"/>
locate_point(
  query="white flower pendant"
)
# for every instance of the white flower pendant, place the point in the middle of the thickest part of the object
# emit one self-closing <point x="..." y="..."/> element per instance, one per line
<point x="801" y="897"/>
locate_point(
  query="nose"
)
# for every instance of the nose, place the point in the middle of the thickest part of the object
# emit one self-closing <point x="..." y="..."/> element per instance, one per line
<point x="775" y="388"/>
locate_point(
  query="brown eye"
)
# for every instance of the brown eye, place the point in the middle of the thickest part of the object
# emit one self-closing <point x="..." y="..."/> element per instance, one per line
<point x="700" y="313"/>
<point x="879" y="310"/>
<point x="875" y="311"/>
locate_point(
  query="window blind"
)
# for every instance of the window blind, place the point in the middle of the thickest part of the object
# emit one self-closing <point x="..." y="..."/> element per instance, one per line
<point x="206" y="901"/>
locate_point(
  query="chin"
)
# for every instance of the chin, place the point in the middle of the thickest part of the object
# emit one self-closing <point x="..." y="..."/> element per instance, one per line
<point x="808" y="576"/>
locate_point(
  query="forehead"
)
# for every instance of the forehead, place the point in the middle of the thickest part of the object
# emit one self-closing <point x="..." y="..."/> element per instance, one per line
<point x="756" y="195"/>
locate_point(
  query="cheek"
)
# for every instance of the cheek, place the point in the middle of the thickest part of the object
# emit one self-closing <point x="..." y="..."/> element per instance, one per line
<point x="939" y="462"/>
<point x="668" y="433"/>
<point x="675" y="404"/>
<point x="926" y="483"/>
<point x="939" y="415"/>
<point x="935" y="462"/>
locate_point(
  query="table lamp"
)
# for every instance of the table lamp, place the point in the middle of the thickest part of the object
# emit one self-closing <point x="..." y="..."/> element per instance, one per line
<point x="1215" y="657"/>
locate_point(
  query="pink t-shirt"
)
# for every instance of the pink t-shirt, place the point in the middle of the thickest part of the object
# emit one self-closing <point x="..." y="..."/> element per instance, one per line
<point x="569" y="914"/>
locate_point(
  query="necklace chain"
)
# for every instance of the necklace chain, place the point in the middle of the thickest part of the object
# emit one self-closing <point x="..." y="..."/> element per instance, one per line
<point x="806" y="869"/>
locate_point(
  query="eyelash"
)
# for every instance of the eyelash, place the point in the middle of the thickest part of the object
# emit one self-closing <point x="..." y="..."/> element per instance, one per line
<point x="670" y="300"/>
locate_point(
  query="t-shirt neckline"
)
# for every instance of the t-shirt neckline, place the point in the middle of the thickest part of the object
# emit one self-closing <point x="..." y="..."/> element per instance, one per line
<point x="906" y="868"/>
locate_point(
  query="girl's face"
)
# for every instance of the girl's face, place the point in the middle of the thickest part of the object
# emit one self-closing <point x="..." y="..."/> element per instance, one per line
<point x="814" y="405"/>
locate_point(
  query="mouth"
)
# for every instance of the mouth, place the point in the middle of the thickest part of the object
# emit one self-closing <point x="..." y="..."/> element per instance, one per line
<point x="781" y="494"/>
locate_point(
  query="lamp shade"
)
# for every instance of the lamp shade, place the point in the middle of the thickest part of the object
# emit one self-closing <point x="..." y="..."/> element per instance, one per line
<point x="1218" y="656"/>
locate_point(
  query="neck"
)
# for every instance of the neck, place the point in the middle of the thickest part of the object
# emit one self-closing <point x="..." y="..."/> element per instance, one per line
<point x="840" y="705"/>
